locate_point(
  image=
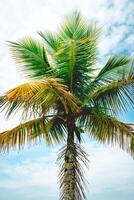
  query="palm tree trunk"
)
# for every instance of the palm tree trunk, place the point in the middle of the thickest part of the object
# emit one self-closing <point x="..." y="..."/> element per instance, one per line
<point x="72" y="182"/>
<point x="69" y="166"/>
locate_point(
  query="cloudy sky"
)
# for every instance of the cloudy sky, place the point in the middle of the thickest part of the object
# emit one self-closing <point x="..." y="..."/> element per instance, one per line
<point x="32" y="173"/>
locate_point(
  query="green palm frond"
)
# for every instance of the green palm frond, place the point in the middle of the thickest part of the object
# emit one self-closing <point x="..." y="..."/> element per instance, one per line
<point x="56" y="128"/>
<point x="77" y="28"/>
<point x="115" y="68"/>
<point x="116" y="95"/>
<point x="76" y="57"/>
<point x="107" y="129"/>
<point x="113" y="63"/>
<point x="52" y="41"/>
<point x="73" y="51"/>
<point x="32" y="56"/>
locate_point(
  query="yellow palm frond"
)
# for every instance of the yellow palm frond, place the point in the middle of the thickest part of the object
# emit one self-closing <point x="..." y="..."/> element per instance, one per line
<point x="21" y="135"/>
<point x="31" y="96"/>
<point x="32" y="132"/>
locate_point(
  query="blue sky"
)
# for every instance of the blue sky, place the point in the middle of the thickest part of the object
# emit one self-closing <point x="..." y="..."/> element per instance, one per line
<point x="31" y="174"/>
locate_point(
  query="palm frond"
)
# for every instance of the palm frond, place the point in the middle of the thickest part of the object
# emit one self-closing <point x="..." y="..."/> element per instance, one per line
<point x="115" y="68"/>
<point x="51" y="130"/>
<point x="113" y="63"/>
<point x="116" y="95"/>
<point x="52" y="41"/>
<point x="31" y="96"/>
<point x="77" y="28"/>
<point x="22" y="135"/>
<point x="107" y="129"/>
<point x="56" y="129"/>
<point x="73" y="51"/>
<point x="32" y="56"/>
<point x="76" y="57"/>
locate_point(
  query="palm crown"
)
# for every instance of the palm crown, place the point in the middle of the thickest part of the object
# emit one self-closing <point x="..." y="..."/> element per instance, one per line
<point x="69" y="96"/>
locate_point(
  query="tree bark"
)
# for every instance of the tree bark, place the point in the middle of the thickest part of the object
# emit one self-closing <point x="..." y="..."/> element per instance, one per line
<point x="72" y="182"/>
<point x="70" y="161"/>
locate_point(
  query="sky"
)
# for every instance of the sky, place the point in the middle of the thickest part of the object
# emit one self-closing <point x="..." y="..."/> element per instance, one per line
<point x="31" y="174"/>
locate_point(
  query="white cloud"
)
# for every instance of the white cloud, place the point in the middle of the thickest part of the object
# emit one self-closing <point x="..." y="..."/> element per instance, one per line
<point x="30" y="174"/>
<point x="110" y="169"/>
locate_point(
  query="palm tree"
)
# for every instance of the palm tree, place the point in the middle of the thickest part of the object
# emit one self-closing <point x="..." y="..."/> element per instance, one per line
<point x="68" y="96"/>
